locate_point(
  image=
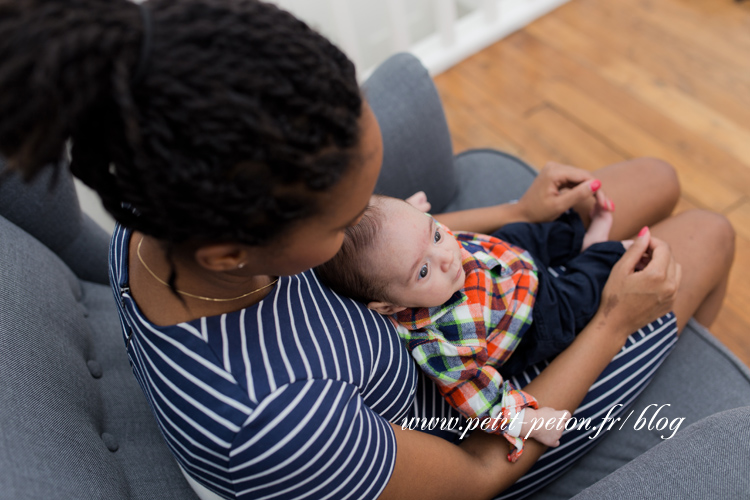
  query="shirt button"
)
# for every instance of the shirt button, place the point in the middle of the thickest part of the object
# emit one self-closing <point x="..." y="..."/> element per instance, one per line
<point x="94" y="368"/>
<point x="110" y="442"/>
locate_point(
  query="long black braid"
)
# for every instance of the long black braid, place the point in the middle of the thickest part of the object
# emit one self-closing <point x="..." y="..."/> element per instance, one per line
<point x="244" y="114"/>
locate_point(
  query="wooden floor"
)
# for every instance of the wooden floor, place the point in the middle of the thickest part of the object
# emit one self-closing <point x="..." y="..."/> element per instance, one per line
<point x="598" y="81"/>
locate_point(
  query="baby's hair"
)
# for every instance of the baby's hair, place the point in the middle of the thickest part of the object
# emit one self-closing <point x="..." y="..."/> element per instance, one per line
<point x="346" y="273"/>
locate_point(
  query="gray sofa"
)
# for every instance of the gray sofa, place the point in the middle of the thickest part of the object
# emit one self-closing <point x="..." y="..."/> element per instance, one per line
<point x="75" y="425"/>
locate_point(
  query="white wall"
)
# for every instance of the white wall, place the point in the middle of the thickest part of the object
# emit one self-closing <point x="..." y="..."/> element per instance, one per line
<point x="367" y="30"/>
<point x="92" y="205"/>
<point x="369" y="24"/>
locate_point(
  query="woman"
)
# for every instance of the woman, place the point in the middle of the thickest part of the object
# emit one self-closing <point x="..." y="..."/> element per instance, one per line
<point x="233" y="146"/>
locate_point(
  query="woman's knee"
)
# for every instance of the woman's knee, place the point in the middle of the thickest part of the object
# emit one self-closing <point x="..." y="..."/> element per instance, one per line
<point x="716" y="231"/>
<point x="662" y="174"/>
<point x="725" y="234"/>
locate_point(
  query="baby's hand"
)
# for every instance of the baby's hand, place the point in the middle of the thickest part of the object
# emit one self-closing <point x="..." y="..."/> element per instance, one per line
<point x="419" y="201"/>
<point x="536" y="423"/>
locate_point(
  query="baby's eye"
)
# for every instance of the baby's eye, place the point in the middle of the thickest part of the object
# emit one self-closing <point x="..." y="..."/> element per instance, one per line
<point x="423" y="272"/>
<point x="438" y="236"/>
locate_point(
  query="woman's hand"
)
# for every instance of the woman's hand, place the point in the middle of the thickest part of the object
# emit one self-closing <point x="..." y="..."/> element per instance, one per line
<point x="642" y="286"/>
<point x="556" y="189"/>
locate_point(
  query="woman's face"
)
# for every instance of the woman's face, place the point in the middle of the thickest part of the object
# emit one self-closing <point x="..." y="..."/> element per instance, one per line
<point x="318" y="238"/>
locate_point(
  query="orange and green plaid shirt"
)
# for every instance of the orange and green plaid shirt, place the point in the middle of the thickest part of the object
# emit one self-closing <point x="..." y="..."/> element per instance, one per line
<point x="461" y="343"/>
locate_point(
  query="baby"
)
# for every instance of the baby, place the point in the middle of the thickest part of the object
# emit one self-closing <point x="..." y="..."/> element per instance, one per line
<point x="475" y="309"/>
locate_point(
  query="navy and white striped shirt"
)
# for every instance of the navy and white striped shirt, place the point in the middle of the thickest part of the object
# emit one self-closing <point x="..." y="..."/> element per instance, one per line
<point x="289" y="398"/>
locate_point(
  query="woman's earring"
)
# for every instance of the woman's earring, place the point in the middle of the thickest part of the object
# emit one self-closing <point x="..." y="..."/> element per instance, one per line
<point x="240" y="265"/>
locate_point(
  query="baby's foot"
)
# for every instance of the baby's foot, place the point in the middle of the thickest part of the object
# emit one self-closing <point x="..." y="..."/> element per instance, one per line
<point x="601" y="223"/>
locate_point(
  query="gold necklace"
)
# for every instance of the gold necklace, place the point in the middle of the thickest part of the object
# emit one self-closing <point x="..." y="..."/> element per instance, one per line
<point x="138" y="252"/>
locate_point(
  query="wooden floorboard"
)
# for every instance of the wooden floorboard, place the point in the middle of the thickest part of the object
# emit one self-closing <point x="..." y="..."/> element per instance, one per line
<point x="597" y="81"/>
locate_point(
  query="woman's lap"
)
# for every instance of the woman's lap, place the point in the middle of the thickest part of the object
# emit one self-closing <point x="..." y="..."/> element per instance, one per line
<point x="620" y="383"/>
<point x="644" y="190"/>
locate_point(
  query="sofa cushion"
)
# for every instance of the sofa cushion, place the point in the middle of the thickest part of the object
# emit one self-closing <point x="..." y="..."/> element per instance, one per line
<point x="487" y="177"/>
<point x="74" y="421"/>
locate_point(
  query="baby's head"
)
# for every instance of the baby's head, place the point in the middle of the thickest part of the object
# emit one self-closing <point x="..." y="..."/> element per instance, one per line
<point x="396" y="257"/>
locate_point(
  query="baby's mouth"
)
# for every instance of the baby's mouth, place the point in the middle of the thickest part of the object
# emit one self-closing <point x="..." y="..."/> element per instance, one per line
<point x="458" y="274"/>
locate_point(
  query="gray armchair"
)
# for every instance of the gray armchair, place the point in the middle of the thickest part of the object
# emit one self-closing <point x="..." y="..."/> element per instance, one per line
<point x="74" y="423"/>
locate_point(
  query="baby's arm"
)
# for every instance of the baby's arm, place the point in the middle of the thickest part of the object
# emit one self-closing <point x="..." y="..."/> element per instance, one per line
<point x="545" y="425"/>
<point x="470" y="385"/>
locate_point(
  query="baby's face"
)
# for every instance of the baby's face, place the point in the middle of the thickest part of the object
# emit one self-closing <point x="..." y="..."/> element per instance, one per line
<point x="420" y="259"/>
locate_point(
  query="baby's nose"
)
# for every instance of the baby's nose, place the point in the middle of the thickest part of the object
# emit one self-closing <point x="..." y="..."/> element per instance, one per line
<point x="447" y="261"/>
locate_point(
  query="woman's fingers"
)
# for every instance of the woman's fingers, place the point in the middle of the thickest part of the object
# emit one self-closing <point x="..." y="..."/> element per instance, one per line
<point x="642" y="285"/>
<point x="638" y="248"/>
<point x="673" y="279"/>
<point x="663" y="274"/>
<point x="579" y="193"/>
<point x="674" y="273"/>
<point x="566" y="175"/>
<point x="557" y="188"/>
<point x="661" y="260"/>
<point x="575" y="182"/>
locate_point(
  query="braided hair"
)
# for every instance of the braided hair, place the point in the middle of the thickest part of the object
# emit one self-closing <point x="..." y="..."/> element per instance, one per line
<point x="244" y="115"/>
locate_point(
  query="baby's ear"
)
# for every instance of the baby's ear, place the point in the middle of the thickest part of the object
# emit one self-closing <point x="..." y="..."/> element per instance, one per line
<point x="385" y="308"/>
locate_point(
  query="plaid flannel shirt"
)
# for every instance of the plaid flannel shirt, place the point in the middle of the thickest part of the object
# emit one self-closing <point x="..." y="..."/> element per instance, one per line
<point x="461" y="343"/>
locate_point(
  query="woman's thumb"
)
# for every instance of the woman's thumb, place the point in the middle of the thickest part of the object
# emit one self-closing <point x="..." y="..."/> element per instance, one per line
<point x="633" y="255"/>
<point x="581" y="192"/>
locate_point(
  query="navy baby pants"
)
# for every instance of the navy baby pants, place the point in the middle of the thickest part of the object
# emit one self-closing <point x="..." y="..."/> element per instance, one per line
<point x="568" y="295"/>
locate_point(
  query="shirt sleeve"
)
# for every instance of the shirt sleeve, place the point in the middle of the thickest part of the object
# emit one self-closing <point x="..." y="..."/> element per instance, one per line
<point x="473" y="387"/>
<point x="312" y="439"/>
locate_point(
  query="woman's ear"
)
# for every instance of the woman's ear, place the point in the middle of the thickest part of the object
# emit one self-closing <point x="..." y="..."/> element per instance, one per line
<point x="385" y="308"/>
<point x="220" y="257"/>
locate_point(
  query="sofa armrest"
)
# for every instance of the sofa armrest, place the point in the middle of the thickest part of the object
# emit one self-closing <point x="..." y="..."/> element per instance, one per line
<point x="417" y="151"/>
<point x="709" y="459"/>
<point x="51" y="213"/>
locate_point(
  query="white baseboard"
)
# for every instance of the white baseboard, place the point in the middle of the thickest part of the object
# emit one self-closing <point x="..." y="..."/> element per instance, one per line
<point x="474" y="32"/>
